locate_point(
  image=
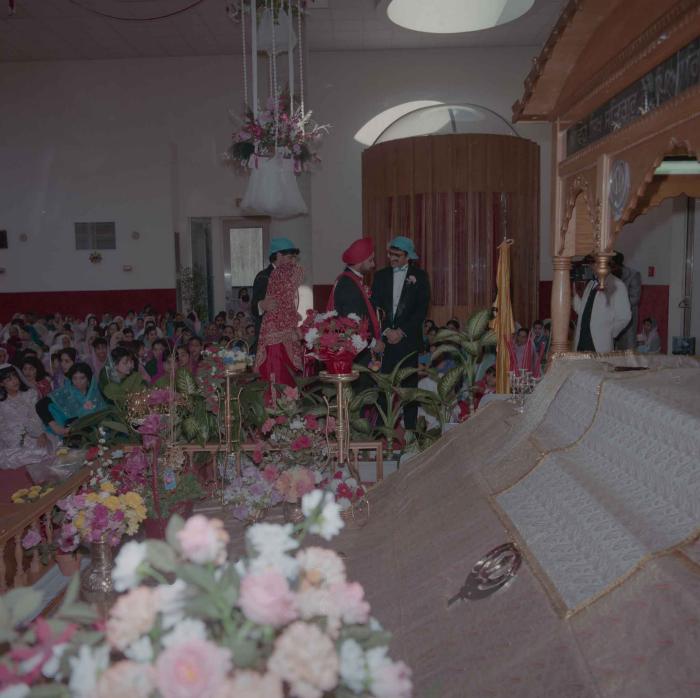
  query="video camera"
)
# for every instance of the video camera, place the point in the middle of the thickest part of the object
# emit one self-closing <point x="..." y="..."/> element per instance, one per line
<point x="582" y="270"/>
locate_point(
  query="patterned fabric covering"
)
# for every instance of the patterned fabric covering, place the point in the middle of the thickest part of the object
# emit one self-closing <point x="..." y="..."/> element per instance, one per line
<point x="280" y="326"/>
<point x="435" y="518"/>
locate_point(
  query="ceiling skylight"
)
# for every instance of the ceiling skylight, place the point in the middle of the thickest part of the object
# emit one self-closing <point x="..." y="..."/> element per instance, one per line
<point x="374" y="127"/>
<point x="455" y="16"/>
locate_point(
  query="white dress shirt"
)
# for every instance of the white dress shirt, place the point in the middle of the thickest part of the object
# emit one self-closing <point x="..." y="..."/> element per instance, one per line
<point x="399" y="278"/>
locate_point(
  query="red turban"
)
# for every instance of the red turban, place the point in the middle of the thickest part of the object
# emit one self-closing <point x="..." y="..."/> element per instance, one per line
<point x="359" y="251"/>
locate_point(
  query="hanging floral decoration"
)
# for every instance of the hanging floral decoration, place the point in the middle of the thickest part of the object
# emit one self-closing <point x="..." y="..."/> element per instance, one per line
<point x="297" y="136"/>
<point x="237" y="9"/>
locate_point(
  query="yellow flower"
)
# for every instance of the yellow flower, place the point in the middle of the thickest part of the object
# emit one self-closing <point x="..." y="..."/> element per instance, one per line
<point x="108" y="487"/>
<point x="47" y="490"/>
<point x="112" y="503"/>
<point x="18" y="500"/>
<point x="132" y="499"/>
<point x="92" y="497"/>
<point x="79" y="520"/>
<point x="21" y="493"/>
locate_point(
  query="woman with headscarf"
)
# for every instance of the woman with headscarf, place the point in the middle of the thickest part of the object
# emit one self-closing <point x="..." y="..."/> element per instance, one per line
<point x="649" y="341"/>
<point x="60" y="361"/>
<point x="78" y="397"/>
<point x="120" y="370"/>
<point x="279" y="355"/>
<point x="22" y="437"/>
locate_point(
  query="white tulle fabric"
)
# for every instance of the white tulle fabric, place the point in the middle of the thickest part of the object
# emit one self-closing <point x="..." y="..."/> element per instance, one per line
<point x="627" y="487"/>
<point x="273" y="189"/>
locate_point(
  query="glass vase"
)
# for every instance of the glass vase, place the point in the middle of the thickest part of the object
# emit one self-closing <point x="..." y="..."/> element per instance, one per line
<point x="96" y="581"/>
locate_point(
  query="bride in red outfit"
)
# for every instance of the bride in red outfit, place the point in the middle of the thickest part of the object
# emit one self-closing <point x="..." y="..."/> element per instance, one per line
<point x="279" y="356"/>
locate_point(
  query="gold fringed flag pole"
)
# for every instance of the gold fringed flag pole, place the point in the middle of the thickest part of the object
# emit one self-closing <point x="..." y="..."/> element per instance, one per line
<point x="503" y="324"/>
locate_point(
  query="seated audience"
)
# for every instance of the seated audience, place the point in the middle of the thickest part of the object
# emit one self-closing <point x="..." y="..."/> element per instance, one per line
<point x="155" y="366"/>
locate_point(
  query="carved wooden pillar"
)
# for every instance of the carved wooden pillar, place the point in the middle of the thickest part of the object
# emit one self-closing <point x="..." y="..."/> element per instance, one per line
<point x="561" y="304"/>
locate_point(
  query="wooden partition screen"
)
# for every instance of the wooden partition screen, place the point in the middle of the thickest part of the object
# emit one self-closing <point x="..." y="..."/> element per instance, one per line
<point x="450" y="195"/>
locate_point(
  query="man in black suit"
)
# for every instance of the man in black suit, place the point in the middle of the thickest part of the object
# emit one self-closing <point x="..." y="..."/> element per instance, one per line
<point x="259" y="304"/>
<point x="350" y="296"/>
<point x="401" y="292"/>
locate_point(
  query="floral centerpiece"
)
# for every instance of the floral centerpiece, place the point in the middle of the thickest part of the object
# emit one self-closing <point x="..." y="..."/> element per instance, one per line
<point x="335" y="339"/>
<point x="251" y="494"/>
<point x="282" y="621"/>
<point x="346" y="488"/>
<point x="287" y="437"/>
<point x="101" y="514"/>
<point x="294" y="134"/>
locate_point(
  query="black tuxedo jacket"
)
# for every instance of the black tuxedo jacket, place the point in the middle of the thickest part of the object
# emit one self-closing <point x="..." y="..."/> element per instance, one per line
<point x="410" y="313"/>
<point x="259" y="292"/>
<point x="347" y="297"/>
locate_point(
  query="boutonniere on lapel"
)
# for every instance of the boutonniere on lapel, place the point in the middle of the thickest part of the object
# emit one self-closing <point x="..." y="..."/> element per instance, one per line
<point x="411" y="279"/>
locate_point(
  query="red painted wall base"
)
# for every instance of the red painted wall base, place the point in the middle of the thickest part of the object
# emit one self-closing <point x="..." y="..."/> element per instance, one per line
<point x="80" y="303"/>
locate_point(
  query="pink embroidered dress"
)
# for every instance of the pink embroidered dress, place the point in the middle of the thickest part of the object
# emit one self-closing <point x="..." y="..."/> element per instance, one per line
<point x="279" y="355"/>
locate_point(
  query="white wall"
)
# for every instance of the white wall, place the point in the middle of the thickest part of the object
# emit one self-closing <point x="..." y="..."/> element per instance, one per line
<point x="348" y="88"/>
<point x="139" y="142"/>
<point x="658" y="239"/>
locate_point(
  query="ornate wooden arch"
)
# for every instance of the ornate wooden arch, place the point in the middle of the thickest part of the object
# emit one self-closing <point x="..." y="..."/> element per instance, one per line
<point x="675" y="186"/>
<point x="580" y="186"/>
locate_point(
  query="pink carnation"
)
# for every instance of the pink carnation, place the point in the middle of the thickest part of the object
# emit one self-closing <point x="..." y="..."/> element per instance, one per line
<point x="270" y="473"/>
<point x="291" y="393"/>
<point x="311" y="422"/>
<point x="348" y="598"/>
<point x="192" y="669"/>
<point x="203" y="540"/>
<point x="266" y="599"/>
<point x="126" y="680"/>
<point x="301" y="442"/>
<point x="131" y="616"/>
<point x="268" y="425"/>
<point x="31" y="539"/>
<point x="250" y="684"/>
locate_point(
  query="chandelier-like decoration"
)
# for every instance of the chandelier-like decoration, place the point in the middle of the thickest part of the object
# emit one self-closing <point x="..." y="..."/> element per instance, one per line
<point x="275" y="142"/>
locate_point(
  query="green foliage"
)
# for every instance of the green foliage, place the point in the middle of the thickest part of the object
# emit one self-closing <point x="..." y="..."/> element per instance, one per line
<point x="192" y="287"/>
<point x="188" y="489"/>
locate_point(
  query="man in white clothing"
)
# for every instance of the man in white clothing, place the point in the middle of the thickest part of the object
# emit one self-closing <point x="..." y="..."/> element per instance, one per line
<point x="602" y="314"/>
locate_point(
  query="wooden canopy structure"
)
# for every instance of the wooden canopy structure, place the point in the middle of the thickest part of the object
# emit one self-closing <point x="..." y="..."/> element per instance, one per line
<point x="619" y="80"/>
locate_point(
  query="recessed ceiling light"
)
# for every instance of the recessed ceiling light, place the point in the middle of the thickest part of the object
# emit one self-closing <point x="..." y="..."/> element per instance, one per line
<point x="455" y="16"/>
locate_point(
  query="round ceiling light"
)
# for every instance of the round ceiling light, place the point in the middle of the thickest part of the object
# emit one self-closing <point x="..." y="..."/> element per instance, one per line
<point x="455" y="16"/>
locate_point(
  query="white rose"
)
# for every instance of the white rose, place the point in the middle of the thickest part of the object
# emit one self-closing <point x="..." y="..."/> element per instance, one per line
<point x="125" y="573"/>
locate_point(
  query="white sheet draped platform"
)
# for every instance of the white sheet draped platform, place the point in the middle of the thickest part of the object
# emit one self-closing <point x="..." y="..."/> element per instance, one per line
<point x="626" y="488"/>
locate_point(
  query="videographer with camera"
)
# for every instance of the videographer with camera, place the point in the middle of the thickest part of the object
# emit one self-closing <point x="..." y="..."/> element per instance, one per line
<point x="602" y="313"/>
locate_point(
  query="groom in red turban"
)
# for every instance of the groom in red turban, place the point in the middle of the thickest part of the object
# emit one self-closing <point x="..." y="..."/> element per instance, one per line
<point x="350" y="295"/>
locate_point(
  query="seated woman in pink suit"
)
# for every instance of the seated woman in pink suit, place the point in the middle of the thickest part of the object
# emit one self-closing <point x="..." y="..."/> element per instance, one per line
<point x="279" y="355"/>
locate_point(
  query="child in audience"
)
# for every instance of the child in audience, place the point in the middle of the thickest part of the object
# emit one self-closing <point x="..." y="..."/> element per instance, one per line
<point x="35" y="375"/>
